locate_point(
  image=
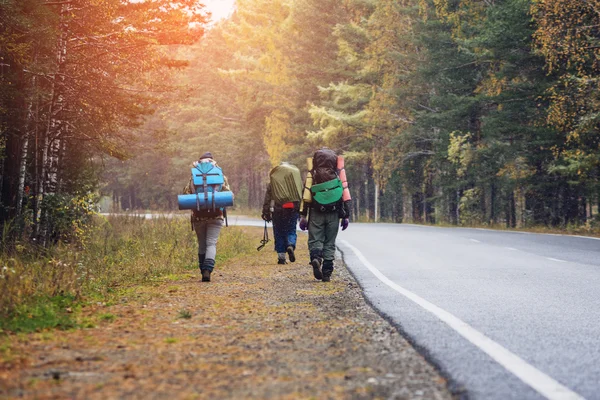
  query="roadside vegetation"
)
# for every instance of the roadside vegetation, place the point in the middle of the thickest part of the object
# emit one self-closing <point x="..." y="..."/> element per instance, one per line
<point x="46" y="288"/>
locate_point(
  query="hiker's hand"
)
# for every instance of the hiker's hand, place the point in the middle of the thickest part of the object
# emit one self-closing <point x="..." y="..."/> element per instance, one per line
<point x="344" y="223"/>
<point x="303" y="223"/>
<point x="266" y="216"/>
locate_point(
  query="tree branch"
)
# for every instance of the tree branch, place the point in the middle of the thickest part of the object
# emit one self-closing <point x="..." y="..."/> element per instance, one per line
<point x="57" y="3"/>
<point x="427" y="108"/>
<point x="228" y="118"/>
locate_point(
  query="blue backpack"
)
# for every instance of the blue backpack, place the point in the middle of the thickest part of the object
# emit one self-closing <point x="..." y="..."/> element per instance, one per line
<point x="207" y="180"/>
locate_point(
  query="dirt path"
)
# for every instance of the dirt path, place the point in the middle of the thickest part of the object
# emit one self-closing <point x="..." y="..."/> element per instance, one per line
<point x="258" y="330"/>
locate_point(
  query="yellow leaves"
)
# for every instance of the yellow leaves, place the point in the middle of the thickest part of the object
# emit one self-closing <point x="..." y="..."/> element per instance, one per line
<point x="517" y="169"/>
<point x="277" y="126"/>
<point x="460" y="151"/>
<point x="564" y="33"/>
<point x="492" y="86"/>
<point x="273" y="66"/>
<point x="470" y="11"/>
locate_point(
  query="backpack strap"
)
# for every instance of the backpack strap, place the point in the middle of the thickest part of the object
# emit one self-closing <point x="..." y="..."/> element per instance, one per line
<point x="205" y="185"/>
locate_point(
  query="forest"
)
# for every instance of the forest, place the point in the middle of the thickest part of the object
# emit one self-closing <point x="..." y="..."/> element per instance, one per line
<point x="462" y="112"/>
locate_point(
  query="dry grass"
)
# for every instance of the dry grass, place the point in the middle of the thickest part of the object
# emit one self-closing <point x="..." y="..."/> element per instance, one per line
<point x="117" y="253"/>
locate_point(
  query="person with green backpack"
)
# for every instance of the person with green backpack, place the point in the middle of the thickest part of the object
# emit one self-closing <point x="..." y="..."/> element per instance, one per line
<point x="326" y="203"/>
<point x="281" y="204"/>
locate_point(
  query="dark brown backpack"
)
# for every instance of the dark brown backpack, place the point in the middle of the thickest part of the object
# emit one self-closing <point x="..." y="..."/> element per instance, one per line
<point x="324" y="165"/>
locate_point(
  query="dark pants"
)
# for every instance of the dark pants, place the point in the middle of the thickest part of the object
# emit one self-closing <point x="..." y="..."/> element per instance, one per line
<point x="322" y="231"/>
<point x="284" y="228"/>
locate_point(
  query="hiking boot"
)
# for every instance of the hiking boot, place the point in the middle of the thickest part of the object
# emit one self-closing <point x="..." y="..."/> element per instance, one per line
<point x="280" y="261"/>
<point x="327" y="269"/>
<point x="316" y="264"/>
<point x="290" y="252"/>
<point x="205" y="275"/>
<point x="281" y="258"/>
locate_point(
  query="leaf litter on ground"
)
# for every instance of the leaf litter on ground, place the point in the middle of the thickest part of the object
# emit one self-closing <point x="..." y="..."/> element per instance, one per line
<point x="257" y="330"/>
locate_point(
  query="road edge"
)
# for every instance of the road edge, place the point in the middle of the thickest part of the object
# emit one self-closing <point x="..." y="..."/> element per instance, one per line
<point x="455" y="387"/>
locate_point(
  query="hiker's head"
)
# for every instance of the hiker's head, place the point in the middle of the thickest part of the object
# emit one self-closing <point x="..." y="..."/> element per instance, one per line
<point x="208" y="154"/>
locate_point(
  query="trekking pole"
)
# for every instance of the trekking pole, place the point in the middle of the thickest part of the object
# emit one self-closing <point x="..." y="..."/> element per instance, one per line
<point x="265" y="239"/>
<point x="225" y="215"/>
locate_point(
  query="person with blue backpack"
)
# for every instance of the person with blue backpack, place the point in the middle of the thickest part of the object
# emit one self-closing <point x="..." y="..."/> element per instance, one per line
<point x="207" y="194"/>
<point x="325" y="208"/>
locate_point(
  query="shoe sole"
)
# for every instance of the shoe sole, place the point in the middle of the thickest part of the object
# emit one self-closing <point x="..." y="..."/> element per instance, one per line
<point x="291" y="254"/>
<point x="316" y="269"/>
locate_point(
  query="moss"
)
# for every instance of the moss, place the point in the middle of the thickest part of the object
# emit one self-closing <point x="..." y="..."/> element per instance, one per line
<point x="41" y="313"/>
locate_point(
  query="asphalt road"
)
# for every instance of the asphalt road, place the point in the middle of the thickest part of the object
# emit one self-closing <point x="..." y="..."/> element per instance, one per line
<point x="504" y="315"/>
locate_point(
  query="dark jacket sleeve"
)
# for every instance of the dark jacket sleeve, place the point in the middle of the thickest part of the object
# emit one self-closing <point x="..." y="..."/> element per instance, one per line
<point x="345" y="210"/>
<point x="267" y="202"/>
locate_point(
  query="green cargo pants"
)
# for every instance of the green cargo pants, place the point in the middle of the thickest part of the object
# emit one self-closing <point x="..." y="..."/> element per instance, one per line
<point x="322" y="230"/>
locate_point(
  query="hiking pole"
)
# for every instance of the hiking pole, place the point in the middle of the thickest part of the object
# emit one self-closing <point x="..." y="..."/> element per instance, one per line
<point x="225" y="215"/>
<point x="265" y="238"/>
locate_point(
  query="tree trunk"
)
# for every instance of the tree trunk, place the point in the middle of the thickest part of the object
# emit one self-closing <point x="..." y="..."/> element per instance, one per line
<point x="10" y="179"/>
<point x="357" y="204"/>
<point x="457" y="206"/>
<point x="376" y="216"/>
<point x="22" y="171"/>
<point x="366" y="191"/>
<point x="428" y="208"/>
<point x="407" y="210"/>
<point x="512" y="220"/>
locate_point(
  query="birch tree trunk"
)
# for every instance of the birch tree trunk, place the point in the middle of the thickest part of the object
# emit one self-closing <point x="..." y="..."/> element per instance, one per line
<point x="30" y="124"/>
<point x="22" y="171"/>
<point x="52" y="140"/>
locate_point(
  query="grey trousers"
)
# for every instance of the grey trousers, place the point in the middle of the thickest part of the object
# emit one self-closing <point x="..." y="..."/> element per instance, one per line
<point x="208" y="234"/>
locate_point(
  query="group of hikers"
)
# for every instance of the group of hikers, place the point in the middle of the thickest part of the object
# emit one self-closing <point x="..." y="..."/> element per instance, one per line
<point x="321" y="205"/>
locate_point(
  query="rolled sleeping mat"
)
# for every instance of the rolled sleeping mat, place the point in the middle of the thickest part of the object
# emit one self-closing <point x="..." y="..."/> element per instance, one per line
<point x="342" y="175"/>
<point x="196" y="201"/>
<point x="306" y="195"/>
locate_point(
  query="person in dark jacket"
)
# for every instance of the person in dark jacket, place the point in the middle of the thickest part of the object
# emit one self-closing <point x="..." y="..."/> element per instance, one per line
<point x="207" y="224"/>
<point x="281" y="204"/>
<point x="323" y="219"/>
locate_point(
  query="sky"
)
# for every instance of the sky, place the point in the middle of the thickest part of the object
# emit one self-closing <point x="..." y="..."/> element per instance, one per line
<point x="219" y="8"/>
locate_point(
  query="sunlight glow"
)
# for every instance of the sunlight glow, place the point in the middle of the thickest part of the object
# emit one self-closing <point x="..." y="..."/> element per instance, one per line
<point x="220" y="9"/>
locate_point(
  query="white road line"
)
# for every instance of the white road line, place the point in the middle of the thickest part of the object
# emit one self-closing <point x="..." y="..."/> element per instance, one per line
<point x="555" y="259"/>
<point x="584" y="237"/>
<point x="503" y="231"/>
<point x="474" y="240"/>
<point x="542" y="383"/>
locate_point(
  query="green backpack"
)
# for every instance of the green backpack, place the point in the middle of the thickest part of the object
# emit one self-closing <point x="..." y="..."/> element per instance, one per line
<point x="327" y="193"/>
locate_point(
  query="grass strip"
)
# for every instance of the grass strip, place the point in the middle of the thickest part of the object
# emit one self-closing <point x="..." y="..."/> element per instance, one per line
<point x="47" y="290"/>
